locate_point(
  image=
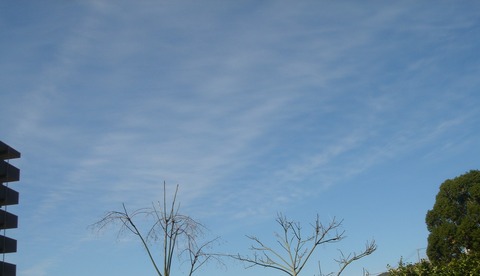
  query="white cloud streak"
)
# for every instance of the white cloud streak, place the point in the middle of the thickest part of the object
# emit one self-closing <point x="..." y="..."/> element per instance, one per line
<point x="247" y="111"/>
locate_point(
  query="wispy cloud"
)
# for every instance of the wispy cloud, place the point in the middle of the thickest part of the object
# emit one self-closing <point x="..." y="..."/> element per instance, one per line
<point x="236" y="91"/>
<point x="249" y="107"/>
<point x="40" y="268"/>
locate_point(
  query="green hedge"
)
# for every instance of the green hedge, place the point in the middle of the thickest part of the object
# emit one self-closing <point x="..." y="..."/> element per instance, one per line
<point x="466" y="265"/>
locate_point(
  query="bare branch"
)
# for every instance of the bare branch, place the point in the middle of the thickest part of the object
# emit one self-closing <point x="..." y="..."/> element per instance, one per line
<point x="170" y="228"/>
<point x="294" y="250"/>
<point x="344" y="261"/>
<point x="268" y="262"/>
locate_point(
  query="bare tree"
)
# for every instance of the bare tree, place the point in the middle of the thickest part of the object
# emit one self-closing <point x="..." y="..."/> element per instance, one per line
<point x="295" y="250"/>
<point x="175" y="232"/>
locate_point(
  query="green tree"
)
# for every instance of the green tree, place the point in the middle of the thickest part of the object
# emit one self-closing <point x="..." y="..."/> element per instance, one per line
<point x="454" y="221"/>
<point x="423" y="267"/>
<point x="465" y="265"/>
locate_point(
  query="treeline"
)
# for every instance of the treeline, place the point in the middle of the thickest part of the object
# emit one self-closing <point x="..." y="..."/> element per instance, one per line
<point x="454" y="226"/>
<point x="453" y="242"/>
<point x="464" y="265"/>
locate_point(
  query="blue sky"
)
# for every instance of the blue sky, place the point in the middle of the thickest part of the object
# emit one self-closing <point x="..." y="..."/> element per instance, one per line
<point x="348" y="109"/>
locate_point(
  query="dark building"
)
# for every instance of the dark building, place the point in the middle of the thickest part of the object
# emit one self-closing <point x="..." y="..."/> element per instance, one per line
<point x="8" y="196"/>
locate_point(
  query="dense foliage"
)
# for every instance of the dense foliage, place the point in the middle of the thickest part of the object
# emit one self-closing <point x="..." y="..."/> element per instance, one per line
<point x="454" y="225"/>
<point x="454" y="221"/>
<point x="464" y="265"/>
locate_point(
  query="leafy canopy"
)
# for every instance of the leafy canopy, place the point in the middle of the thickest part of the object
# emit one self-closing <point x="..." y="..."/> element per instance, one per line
<point x="454" y="221"/>
<point x="464" y="265"/>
